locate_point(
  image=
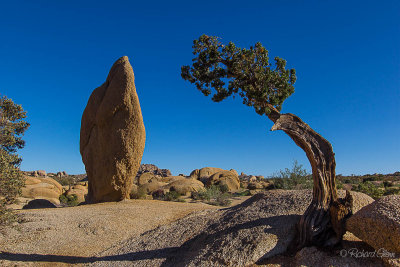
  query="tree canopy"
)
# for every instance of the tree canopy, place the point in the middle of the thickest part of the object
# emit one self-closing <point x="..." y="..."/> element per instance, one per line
<point x="12" y="127"/>
<point x="227" y="70"/>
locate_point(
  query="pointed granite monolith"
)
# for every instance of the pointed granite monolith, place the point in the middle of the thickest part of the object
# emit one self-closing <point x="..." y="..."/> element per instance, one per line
<point x="112" y="135"/>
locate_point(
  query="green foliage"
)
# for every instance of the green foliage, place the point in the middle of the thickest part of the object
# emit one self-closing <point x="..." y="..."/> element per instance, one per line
<point x="213" y="196"/>
<point x="172" y="196"/>
<point x="247" y="71"/>
<point x="70" y="200"/>
<point x="140" y="193"/>
<point x="243" y="193"/>
<point x="12" y="127"/>
<point x="392" y="191"/>
<point x="295" y="178"/>
<point x="370" y="189"/>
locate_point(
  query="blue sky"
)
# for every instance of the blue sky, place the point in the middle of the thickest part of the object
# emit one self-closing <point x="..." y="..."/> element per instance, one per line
<point x="346" y="54"/>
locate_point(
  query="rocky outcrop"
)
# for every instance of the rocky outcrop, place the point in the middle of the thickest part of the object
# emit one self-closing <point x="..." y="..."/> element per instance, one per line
<point x="378" y="224"/>
<point x="205" y="172"/>
<point x="41" y="173"/>
<point x="80" y="191"/>
<point x="112" y="135"/>
<point x="42" y="188"/>
<point x="227" y="178"/>
<point x="185" y="186"/>
<point x="259" y="228"/>
<point x="151" y="168"/>
<point x="146" y="177"/>
<point x="152" y="186"/>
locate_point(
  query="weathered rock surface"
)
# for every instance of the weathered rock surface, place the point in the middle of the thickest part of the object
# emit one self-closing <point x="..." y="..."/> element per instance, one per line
<point x="112" y="135"/>
<point x="261" y="227"/>
<point x="185" y="186"/>
<point x="228" y="178"/>
<point x="152" y="186"/>
<point x="79" y="190"/>
<point x="145" y="178"/>
<point x="204" y="172"/>
<point x="42" y="188"/>
<point x="312" y="256"/>
<point x="378" y="224"/>
<point x="41" y="173"/>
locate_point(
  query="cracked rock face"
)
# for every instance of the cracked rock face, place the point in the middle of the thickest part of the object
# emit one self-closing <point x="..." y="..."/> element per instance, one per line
<point x="112" y="135"/>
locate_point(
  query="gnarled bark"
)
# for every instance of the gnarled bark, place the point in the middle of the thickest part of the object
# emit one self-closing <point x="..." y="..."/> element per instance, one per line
<point x="323" y="222"/>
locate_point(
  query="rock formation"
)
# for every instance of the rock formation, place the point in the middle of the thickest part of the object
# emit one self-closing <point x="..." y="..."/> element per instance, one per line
<point x="112" y="135"/>
<point x="259" y="228"/>
<point x="378" y="224"/>
<point x="42" y="188"/>
<point x="227" y="178"/>
<point x="151" y="168"/>
<point x="186" y="186"/>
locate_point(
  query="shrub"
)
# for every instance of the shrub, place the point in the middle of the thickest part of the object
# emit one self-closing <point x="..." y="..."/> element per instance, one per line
<point x="140" y="193"/>
<point x="392" y="191"/>
<point x="295" y="178"/>
<point x="213" y="196"/>
<point x="243" y="193"/>
<point x="172" y="196"/>
<point x="70" y="200"/>
<point x="369" y="189"/>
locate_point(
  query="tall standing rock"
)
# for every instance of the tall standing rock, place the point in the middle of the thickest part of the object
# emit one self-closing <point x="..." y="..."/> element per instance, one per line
<point x="112" y="135"/>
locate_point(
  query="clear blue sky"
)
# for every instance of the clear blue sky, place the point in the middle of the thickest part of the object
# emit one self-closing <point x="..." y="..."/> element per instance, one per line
<point x="346" y="54"/>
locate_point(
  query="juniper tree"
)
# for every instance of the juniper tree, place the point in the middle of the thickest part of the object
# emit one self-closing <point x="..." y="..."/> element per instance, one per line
<point x="225" y="70"/>
<point x="12" y="127"/>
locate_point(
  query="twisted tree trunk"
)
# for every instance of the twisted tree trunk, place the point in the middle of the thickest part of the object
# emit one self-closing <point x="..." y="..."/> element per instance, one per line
<point x="323" y="223"/>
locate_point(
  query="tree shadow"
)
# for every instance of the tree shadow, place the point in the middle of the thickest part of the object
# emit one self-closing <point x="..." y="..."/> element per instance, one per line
<point x="134" y="256"/>
<point x="178" y="256"/>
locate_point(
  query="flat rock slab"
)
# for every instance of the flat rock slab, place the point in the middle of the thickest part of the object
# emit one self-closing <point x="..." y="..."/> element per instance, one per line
<point x="64" y="236"/>
<point x="262" y="226"/>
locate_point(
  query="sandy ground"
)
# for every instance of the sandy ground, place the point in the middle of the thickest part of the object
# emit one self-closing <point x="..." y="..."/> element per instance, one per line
<point x="63" y="236"/>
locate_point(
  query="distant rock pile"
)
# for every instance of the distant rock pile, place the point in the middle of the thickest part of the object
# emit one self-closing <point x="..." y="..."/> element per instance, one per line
<point x="153" y="169"/>
<point x="112" y="135"/>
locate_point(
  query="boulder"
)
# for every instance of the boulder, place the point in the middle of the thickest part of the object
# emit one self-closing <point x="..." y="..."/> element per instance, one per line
<point x="42" y="191"/>
<point x="378" y="223"/>
<point x="170" y="179"/>
<point x="204" y="172"/>
<point x="227" y="178"/>
<point x="185" y="186"/>
<point x="152" y="186"/>
<point x="145" y="178"/>
<point x="34" y="174"/>
<point x="252" y="179"/>
<point x="51" y="181"/>
<point x="46" y="188"/>
<point x="32" y="181"/>
<point x="234" y="171"/>
<point x="39" y="204"/>
<point x="112" y="135"/>
<point x="79" y="191"/>
<point x="41" y="173"/>
<point x="255" y="185"/>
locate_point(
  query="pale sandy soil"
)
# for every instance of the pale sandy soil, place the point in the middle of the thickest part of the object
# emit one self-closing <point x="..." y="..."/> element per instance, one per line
<point x="60" y="237"/>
